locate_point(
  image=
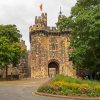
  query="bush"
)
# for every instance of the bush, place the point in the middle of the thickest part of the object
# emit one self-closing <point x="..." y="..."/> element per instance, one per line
<point x="70" y="86"/>
<point x="46" y="89"/>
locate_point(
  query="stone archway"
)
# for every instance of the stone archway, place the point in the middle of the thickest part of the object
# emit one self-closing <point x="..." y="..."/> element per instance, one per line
<point x="53" y="68"/>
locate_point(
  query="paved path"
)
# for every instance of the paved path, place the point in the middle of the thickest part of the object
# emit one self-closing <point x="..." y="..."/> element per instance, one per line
<point x="22" y="90"/>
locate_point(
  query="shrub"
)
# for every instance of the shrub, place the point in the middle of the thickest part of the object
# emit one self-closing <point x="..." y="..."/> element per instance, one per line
<point x="97" y="87"/>
<point x="70" y="86"/>
<point x="46" y="89"/>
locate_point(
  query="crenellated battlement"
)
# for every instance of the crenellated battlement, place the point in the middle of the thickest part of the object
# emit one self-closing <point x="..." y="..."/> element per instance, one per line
<point x="40" y="27"/>
<point x="42" y="18"/>
<point x="41" y="24"/>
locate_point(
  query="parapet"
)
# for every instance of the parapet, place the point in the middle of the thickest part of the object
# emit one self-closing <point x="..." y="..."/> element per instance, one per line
<point x="41" y="24"/>
<point x="41" y="19"/>
<point x="36" y="27"/>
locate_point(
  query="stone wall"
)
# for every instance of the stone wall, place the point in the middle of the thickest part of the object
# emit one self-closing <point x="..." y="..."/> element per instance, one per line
<point x="49" y="45"/>
<point x="50" y="48"/>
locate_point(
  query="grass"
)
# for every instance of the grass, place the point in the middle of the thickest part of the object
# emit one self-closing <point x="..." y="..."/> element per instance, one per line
<point x="64" y="85"/>
<point x="75" y="80"/>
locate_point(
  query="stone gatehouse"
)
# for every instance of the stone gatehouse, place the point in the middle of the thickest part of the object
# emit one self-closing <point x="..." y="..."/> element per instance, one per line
<point x="49" y="50"/>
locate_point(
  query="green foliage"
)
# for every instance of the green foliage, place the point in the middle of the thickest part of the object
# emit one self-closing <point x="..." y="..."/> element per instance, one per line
<point x="94" y="94"/>
<point x="47" y="89"/>
<point x="5" y="57"/>
<point x="10" y="50"/>
<point x="83" y="5"/>
<point x="75" y="80"/>
<point x="64" y="23"/>
<point x="85" y="36"/>
<point x="63" y="85"/>
<point x="11" y="32"/>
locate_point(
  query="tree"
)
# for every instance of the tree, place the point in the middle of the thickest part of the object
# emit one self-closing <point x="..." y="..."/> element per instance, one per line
<point x="85" y="36"/>
<point x="10" y="49"/>
<point x="64" y="23"/>
<point x="5" y="57"/>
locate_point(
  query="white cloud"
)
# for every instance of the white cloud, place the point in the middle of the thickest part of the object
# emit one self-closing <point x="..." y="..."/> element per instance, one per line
<point x="23" y="12"/>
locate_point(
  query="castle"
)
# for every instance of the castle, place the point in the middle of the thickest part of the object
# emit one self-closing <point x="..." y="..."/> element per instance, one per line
<point x="49" y="50"/>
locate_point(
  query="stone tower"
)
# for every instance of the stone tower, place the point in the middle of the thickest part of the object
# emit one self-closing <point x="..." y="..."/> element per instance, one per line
<point x="49" y="50"/>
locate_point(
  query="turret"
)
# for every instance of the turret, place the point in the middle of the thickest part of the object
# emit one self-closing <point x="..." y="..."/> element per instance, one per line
<point x="40" y="23"/>
<point x="41" y="19"/>
<point x="60" y="15"/>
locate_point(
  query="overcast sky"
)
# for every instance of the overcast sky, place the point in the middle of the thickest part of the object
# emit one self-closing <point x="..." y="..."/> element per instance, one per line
<point x="23" y="12"/>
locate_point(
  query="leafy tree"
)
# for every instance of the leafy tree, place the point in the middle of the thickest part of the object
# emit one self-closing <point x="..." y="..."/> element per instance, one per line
<point x="64" y="23"/>
<point x="11" y="32"/>
<point x="85" y="36"/>
<point x="10" y="48"/>
<point x="5" y="56"/>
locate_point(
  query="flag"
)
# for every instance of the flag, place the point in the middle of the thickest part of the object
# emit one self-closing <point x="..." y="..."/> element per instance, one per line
<point x="41" y="7"/>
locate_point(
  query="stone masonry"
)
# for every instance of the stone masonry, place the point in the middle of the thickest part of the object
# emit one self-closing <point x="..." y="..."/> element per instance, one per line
<point x="49" y="50"/>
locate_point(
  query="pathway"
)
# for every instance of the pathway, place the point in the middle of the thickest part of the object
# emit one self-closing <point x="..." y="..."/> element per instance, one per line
<point x="22" y="90"/>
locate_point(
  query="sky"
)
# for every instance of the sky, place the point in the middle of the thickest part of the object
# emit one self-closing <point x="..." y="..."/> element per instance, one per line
<point x="22" y="13"/>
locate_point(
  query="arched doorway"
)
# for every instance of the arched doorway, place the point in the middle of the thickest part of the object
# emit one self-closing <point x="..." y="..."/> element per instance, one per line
<point x="53" y="68"/>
